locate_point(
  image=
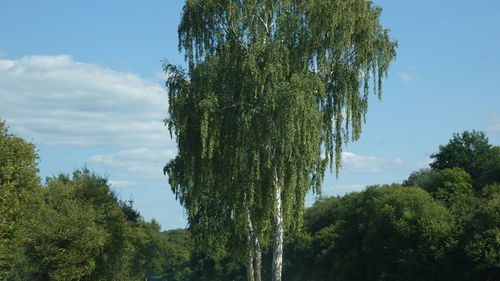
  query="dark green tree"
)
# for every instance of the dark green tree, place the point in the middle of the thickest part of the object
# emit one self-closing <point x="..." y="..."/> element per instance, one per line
<point x="476" y="255"/>
<point x="419" y="178"/>
<point x="383" y="233"/>
<point x="148" y="250"/>
<point x="269" y="86"/>
<point x="443" y="184"/>
<point x="178" y="251"/>
<point x="471" y="152"/>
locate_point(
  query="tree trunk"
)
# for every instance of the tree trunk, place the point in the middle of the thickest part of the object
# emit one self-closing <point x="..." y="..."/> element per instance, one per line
<point x="278" y="235"/>
<point x="254" y="253"/>
<point x="257" y="258"/>
<point x="249" y="266"/>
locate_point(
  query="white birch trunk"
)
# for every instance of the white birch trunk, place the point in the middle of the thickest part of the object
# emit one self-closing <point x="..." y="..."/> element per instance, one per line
<point x="254" y="253"/>
<point x="278" y="235"/>
<point x="257" y="258"/>
<point x="250" y="268"/>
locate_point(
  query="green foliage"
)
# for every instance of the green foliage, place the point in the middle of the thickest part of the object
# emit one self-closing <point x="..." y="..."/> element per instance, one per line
<point x="477" y="253"/>
<point x="450" y="182"/>
<point x="297" y="256"/>
<point x="471" y="152"/>
<point x="74" y="228"/>
<point x="18" y="161"/>
<point x="270" y="85"/>
<point x="113" y="262"/>
<point x="491" y="172"/>
<point x="178" y="249"/>
<point x="148" y="250"/>
<point x="182" y="261"/>
<point x="420" y="178"/>
<point x="63" y="237"/>
<point x="383" y="233"/>
<point x="18" y="178"/>
<point x="442" y="184"/>
<point x="214" y="267"/>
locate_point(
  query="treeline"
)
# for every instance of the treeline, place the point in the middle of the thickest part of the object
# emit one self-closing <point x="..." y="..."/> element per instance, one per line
<point x="72" y="227"/>
<point x="442" y="223"/>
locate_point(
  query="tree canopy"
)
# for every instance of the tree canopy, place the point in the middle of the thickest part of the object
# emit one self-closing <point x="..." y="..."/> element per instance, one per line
<point x="269" y="86"/>
<point x="18" y="178"/>
<point x="472" y="152"/>
<point x="73" y="227"/>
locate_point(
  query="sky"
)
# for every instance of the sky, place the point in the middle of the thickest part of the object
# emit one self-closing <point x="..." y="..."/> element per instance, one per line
<point x="83" y="81"/>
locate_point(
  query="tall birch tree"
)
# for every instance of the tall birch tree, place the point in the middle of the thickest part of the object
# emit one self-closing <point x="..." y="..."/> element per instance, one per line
<point x="272" y="91"/>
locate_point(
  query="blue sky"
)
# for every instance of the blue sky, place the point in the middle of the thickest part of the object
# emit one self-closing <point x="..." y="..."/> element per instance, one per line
<point x="83" y="81"/>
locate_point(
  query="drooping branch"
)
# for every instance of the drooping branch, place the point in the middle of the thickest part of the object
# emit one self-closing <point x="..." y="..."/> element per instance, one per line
<point x="272" y="86"/>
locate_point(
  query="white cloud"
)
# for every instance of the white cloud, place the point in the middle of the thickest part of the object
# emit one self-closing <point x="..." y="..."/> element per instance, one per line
<point x="398" y="161"/>
<point x="146" y="162"/>
<point x="335" y="190"/>
<point x="55" y="100"/>
<point x="407" y="77"/>
<point x="120" y="183"/>
<point x="3" y="54"/>
<point x="364" y="164"/>
<point x="495" y="128"/>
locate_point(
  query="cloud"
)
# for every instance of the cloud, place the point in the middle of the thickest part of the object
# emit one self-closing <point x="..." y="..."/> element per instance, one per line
<point x="335" y="190"/>
<point x="58" y="101"/>
<point x="407" y="77"/>
<point x="147" y="162"/>
<point x="119" y="183"/>
<point x="495" y="128"/>
<point x="3" y="54"/>
<point x="365" y="164"/>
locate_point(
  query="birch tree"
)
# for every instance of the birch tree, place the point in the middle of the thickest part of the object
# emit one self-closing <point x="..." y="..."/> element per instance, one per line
<point x="272" y="91"/>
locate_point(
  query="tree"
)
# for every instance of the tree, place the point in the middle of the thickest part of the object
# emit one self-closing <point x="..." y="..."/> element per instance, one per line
<point x="114" y="261"/>
<point x="471" y="152"/>
<point x="476" y="253"/>
<point x="383" y="233"/>
<point x="178" y="251"/>
<point x="419" y="178"/>
<point x="63" y="239"/>
<point x="148" y="250"/>
<point x="442" y="184"/>
<point x="18" y="178"/>
<point x="269" y="86"/>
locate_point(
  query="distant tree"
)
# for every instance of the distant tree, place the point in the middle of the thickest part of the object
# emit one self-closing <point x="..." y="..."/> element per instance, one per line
<point x="178" y="249"/>
<point x="131" y="214"/>
<point x="114" y="261"/>
<point x="476" y="255"/>
<point x="442" y="184"/>
<point x="18" y="182"/>
<point x="450" y="182"/>
<point x="471" y="152"/>
<point x="149" y="250"/>
<point x="383" y="233"/>
<point x="419" y="178"/>
<point x="63" y="239"/>
<point x="491" y="172"/>
<point x="270" y="85"/>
